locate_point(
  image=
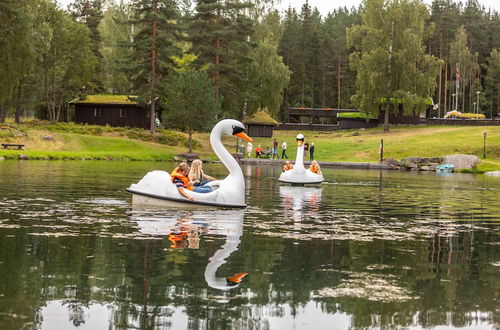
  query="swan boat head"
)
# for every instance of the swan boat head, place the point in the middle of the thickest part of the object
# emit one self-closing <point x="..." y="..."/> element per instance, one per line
<point x="156" y="187"/>
<point x="299" y="175"/>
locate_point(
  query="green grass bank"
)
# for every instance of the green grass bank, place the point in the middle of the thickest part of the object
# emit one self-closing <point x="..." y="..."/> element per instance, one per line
<point x="71" y="141"/>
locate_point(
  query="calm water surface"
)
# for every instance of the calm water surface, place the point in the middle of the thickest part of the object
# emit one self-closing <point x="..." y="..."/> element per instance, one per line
<point x="366" y="249"/>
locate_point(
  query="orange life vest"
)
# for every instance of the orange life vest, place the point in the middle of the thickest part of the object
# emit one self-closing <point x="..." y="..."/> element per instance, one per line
<point x="288" y="167"/>
<point x="185" y="180"/>
<point x="315" y="169"/>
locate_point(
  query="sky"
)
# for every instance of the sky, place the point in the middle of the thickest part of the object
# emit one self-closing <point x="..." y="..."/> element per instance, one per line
<point x="325" y="6"/>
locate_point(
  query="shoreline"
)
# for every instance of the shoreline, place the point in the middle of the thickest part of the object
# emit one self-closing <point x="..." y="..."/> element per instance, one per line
<point x="325" y="164"/>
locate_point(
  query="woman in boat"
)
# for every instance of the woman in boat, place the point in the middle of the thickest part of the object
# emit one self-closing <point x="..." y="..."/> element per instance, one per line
<point x="315" y="167"/>
<point x="199" y="178"/>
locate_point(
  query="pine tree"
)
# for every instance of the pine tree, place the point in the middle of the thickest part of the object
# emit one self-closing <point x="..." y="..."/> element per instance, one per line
<point x="492" y="84"/>
<point x="220" y="33"/>
<point x="155" y="41"/>
<point x="90" y="12"/>
<point x="190" y="98"/>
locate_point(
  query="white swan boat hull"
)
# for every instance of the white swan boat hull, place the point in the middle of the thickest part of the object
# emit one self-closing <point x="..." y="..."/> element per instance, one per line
<point x="152" y="200"/>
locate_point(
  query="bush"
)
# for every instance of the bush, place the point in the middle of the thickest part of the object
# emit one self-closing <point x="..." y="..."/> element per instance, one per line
<point x="360" y="115"/>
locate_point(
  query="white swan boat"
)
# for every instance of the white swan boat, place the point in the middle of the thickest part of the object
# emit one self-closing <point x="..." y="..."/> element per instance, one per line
<point x="226" y="223"/>
<point x="299" y="175"/>
<point x="156" y="187"/>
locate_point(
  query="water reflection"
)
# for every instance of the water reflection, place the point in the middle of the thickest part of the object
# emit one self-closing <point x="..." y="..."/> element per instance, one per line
<point x="366" y="250"/>
<point x="295" y="199"/>
<point x="185" y="232"/>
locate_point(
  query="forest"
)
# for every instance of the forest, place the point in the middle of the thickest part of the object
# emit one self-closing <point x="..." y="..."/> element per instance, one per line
<point x="202" y="59"/>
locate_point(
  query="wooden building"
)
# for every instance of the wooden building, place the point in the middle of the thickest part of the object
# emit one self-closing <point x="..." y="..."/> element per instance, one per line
<point x="112" y="110"/>
<point x="260" y="124"/>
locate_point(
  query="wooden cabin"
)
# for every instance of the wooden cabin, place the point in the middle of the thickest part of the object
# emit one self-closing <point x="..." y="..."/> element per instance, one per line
<point x="112" y="110"/>
<point x="260" y="124"/>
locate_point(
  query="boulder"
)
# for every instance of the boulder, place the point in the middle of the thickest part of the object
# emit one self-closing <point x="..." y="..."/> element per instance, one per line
<point x="48" y="138"/>
<point x="189" y="156"/>
<point x="391" y="161"/>
<point x="427" y="168"/>
<point x="462" y="161"/>
<point x="494" y="173"/>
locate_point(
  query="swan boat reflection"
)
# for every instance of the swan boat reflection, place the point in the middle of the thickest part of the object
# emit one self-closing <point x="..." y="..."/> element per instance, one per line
<point x="185" y="229"/>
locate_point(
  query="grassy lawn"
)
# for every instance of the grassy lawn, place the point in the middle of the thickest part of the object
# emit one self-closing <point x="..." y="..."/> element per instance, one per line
<point x="350" y="145"/>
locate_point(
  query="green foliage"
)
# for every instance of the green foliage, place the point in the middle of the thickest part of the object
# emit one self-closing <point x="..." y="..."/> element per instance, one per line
<point x="190" y="101"/>
<point x="220" y="34"/>
<point x="492" y="84"/>
<point x="149" y="73"/>
<point x="269" y="76"/>
<point x="260" y="117"/>
<point x="361" y="115"/>
<point x="390" y="59"/>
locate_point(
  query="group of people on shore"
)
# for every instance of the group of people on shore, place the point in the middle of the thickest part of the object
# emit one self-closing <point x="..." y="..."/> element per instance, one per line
<point x="273" y="153"/>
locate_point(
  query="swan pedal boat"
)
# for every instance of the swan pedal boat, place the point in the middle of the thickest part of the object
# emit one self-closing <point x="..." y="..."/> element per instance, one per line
<point x="156" y="187"/>
<point x="299" y="175"/>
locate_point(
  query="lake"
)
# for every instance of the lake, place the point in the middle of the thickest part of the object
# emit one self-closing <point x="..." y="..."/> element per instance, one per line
<point x="365" y="249"/>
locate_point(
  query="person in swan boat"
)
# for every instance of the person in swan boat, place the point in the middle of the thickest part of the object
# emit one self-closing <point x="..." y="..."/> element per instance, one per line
<point x="180" y="179"/>
<point x="288" y="166"/>
<point x="315" y="167"/>
<point x="198" y="177"/>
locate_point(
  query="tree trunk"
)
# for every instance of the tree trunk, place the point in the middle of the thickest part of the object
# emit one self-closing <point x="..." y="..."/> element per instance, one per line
<point x="386" y="119"/>
<point x="19" y="109"/>
<point x="153" y="69"/>
<point x="190" y="140"/>
<point x="338" y="80"/>
<point x="3" y="111"/>
<point x="445" y="88"/>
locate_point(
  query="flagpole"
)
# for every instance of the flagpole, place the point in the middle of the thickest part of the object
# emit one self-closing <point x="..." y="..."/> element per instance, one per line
<point x="457" y="85"/>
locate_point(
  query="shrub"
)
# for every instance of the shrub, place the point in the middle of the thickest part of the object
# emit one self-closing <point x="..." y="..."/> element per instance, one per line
<point x="359" y="115"/>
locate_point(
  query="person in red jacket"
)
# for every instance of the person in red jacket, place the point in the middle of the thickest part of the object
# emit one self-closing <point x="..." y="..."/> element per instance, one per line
<point x="258" y="151"/>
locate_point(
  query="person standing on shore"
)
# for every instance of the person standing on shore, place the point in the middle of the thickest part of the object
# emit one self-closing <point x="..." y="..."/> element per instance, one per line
<point x="311" y="151"/>
<point x="283" y="150"/>
<point x="275" y="149"/>
<point x="306" y="149"/>
<point x="249" y="149"/>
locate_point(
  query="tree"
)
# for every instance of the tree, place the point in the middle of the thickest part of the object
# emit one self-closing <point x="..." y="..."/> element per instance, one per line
<point x="466" y="66"/>
<point x="268" y="75"/>
<point x="65" y="60"/>
<point x="154" y="42"/>
<point x="90" y="13"/>
<point x="220" y="33"/>
<point x="16" y="26"/>
<point x="116" y="38"/>
<point x="392" y="68"/>
<point x="492" y="83"/>
<point x="190" y="99"/>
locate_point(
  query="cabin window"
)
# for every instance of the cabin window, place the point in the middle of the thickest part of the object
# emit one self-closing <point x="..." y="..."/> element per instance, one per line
<point x="123" y="113"/>
<point x="97" y="112"/>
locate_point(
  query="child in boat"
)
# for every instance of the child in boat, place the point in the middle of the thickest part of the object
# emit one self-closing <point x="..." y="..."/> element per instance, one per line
<point x="199" y="178"/>
<point x="315" y="167"/>
<point x="288" y="166"/>
<point x="181" y="181"/>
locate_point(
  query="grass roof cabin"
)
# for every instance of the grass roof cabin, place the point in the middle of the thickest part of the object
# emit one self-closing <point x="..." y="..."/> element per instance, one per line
<point x="260" y="124"/>
<point x="112" y="110"/>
